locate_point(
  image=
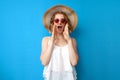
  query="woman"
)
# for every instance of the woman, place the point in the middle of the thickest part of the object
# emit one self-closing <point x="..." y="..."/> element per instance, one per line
<point x="59" y="51"/>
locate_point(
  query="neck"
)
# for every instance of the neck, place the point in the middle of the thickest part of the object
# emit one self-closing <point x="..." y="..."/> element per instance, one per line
<point x="59" y="36"/>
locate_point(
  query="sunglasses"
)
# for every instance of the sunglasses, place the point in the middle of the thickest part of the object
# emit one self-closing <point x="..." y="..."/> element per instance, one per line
<point x="62" y="20"/>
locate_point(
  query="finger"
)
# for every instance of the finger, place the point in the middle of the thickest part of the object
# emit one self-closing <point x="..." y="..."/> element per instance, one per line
<point x="65" y="32"/>
<point x="66" y="28"/>
<point x="53" y="29"/>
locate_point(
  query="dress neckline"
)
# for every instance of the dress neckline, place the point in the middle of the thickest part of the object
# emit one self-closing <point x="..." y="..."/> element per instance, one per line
<point x="60" y="46"/>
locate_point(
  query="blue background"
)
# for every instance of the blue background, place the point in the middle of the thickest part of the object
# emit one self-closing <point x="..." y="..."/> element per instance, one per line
<point x="97" y="35"/>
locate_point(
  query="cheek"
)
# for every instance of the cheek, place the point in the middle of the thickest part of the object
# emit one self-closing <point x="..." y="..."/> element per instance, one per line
<point x="64" y="25"/>
<point x="55" y="23"/>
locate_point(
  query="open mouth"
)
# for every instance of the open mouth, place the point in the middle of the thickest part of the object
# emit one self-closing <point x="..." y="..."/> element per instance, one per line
<point x="59" y="27"/>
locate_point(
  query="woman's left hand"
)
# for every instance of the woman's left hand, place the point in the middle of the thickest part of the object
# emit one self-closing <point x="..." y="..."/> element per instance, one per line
<point x="66" y="33"/>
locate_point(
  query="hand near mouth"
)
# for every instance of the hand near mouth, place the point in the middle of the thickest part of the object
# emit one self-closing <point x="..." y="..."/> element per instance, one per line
<point x="53" y="34"/>
<point x="66" y="33"/>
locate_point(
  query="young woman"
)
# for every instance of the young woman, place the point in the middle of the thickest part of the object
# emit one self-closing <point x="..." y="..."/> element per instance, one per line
<point x="59" y="51"/>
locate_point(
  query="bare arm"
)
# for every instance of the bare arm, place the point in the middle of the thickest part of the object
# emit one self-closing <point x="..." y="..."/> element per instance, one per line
<point x="73" y="51"/>
<point x="72" y="46"/>
<point x="46" y="51"/>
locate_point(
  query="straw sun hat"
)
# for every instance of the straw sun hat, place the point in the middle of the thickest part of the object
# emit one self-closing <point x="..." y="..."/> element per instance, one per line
<point x="70" y="13"/>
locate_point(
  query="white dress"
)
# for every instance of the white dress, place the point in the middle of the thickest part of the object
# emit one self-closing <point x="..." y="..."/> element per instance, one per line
<point x="59" y="67"/>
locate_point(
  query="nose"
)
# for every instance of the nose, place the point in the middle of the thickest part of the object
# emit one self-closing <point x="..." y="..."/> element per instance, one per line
<point x="59" y="22"/>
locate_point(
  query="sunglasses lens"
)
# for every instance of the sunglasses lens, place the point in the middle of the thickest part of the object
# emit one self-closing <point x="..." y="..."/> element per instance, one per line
<point x="56" y="20"/>
<point x="63" y="21"/>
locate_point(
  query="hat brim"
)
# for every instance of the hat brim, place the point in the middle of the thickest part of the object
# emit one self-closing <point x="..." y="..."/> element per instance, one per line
<point x="70" y="13"/>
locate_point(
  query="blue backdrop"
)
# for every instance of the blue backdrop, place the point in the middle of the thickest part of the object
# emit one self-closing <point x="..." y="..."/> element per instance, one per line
<point x="97" y="35"/>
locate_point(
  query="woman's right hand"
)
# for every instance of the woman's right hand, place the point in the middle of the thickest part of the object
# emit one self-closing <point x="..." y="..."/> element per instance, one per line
<point x="53" y="34"/>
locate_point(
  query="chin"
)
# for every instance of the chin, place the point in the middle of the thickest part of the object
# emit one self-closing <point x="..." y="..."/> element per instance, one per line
<point x="60" y="32"/>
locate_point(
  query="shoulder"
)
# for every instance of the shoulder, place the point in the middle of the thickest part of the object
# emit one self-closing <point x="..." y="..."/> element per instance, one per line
<point x="73" y="41"/>
<point x="45" y="39"/>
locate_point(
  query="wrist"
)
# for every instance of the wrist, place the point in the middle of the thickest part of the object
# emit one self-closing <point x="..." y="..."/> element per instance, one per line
<point x="52" y="39"/>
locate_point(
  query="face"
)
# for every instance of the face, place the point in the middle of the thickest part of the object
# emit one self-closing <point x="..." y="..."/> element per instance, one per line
<point x="60" y="22"/>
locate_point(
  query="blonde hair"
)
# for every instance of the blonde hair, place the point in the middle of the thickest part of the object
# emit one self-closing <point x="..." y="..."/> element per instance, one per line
<point x="70" y="28"/>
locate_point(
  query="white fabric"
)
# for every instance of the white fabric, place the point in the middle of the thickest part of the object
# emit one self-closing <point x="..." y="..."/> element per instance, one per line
<point x="59" y="67"/>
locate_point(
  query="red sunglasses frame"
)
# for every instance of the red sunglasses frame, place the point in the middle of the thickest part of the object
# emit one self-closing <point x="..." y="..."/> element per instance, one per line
<point x="62" y="20"/>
